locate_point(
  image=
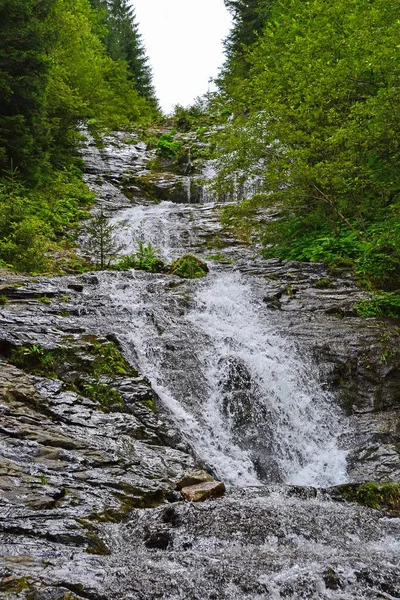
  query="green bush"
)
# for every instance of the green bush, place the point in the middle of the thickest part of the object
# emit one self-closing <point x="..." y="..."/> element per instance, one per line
<point x="146" y="258"/>
<point x="167" y="146"/>
<point x="383" y="304"/>
<point x="36" y="223"/>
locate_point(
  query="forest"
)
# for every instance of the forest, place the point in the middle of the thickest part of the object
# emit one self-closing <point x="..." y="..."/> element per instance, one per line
<point x="63" y="65"/>
<point x="306" y="114"/>
<point x="310" y="94"/>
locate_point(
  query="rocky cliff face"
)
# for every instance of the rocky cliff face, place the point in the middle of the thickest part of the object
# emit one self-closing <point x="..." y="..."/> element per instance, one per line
<point x="114" y="385"/>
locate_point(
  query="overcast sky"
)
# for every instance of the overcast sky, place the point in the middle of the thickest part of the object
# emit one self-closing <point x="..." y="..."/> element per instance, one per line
<point x="183" y="40"/>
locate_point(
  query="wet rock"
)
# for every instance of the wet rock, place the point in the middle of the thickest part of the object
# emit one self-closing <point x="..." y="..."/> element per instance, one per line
<point x="158" y="539"/>
<point x="193" y="478"/>
<point x="332" y="580"/>
<point x="204" y="491"/>
<point x="84" y="492"/>
<point x="171" y="515"/>
<point x="77" y="287"/>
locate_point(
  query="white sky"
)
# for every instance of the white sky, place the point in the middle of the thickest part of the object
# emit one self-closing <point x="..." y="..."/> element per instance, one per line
<point x="183" y="39"/>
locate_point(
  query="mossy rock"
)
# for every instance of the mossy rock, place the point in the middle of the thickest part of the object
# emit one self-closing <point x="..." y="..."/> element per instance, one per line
<point x="189" y="267"/>
<point x="87" y="367"/>
<point x="373" y="495"/>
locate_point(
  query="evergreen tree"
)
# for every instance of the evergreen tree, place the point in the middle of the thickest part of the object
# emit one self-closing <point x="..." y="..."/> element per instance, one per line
<point x="24" y="70"/>
<point x="249" y="20"/>
<point x="316" y="122"/>
<point x="123" y="42"/>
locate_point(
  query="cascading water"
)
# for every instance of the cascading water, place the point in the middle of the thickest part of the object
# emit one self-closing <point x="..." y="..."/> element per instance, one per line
<point x="270" y="399"/>
<point x="250" y="408"/>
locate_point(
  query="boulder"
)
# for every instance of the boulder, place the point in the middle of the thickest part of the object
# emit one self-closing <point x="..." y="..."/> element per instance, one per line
<point x="204" y="491"/>
<point x="193" y="478"/>
<point x="189" y="266"/>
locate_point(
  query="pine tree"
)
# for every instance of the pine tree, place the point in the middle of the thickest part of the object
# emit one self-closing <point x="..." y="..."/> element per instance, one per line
<point x="124" y="43"/>
<point x="249" y="19"/>
<point x="24" y="72"/>
<point x="102" y="243"/>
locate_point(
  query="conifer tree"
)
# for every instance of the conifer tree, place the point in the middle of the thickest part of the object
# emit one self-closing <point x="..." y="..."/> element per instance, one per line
<point x="24" y="70"/>
<point x="123" y="42"/>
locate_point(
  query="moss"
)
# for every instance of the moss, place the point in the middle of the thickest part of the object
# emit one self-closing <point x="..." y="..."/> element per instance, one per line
<point x="81" y="367"/>
<point x="215" y="242"/>
<point x="132" y="499"/>
<point x="95" y="543"/>
<point x="15" y="585"/>
<point x="150" y="403"/>
<point x="189" y="267"/>
<point x="44" y="300"/>
<point x="385" y="495"/>
<point x="324" y="284"/>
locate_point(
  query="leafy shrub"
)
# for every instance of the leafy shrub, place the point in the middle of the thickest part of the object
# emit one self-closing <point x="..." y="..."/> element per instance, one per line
<point x="383" y="304"/>
<point x="146" y="258"/>
<point x="36" y="223"/>
<point x="167" y="146"/>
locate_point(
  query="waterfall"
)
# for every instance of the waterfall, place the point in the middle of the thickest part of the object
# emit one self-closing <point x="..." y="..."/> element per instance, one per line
<point x="250" y="408"/>
<point x="272" y="401"/>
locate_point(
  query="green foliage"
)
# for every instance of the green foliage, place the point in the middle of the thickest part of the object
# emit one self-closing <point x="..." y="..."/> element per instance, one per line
<point x="108" y="360"/>
<point x="386" y="495"/>
<point x="81" y="368"/>
<point x="124" y="42"/>
<point x="34" y="222"/>
<point x="33" y="359"/>
<point x="193" y="117"/>
<point x="189" y="267"/>
<point x="102" y="394"/>
<point x="102" y="243"/>
<point x="324" y="283"/>
<point x="384" y="304"/>
<point x="167" y="146"/>
<point x="249" y="19"/>
<point x="24" y="75"/>
<point x="55" y="74"/>
<point x="311" y="92"/>
<point x="146" y="258"/>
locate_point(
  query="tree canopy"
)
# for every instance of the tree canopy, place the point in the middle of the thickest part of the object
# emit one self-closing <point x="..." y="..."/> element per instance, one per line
<point x="315" y="123"/>
<point x="63" y="64"/>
